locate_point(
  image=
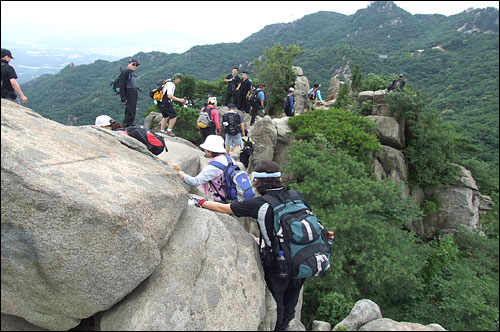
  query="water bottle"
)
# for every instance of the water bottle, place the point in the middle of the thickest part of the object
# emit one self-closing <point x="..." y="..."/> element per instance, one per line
<point x="283" y="266"/>
<point x="331" y="236"/>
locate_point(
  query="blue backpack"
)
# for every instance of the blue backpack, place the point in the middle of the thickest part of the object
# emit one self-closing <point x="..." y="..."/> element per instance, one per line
<point x="236" y="184"/>
<point x="301" y="236"/>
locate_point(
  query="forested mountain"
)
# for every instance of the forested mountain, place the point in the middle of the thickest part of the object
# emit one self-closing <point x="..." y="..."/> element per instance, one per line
<point x="452" y="60"/>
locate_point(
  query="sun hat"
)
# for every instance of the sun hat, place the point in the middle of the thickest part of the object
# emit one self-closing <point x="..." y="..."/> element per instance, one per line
<point x="103" y="120"/>
<point x="214" y="143"/>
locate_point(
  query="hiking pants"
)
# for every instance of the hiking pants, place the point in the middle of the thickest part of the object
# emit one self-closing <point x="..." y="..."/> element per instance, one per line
<point x="244" y="106"/>
<point x="286" y="293"/>
<point x="234" y="95"/>
<point x="130" y="107"/>
<point x="255" y="110"/>
<point x="205" y="132"/>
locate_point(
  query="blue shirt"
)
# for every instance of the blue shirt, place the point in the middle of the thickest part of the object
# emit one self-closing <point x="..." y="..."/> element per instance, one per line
<point x="318" y="94"/>
<point x="261" y="95"/>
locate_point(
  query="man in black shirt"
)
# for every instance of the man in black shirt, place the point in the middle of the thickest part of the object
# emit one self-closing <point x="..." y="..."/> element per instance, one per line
<point x="246" y="85"/>
<point x="9" y="76"/>
<point x="129" y="92"/>
<point x="268" y="182"/>
<point x="397" y="84"/>
<point x="233" y="85"/>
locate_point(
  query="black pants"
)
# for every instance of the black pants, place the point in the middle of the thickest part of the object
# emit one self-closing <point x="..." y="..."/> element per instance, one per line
<point x="130" y="107"/>
<point x="234" y="95"/>
<point x="207" y="131"/>
<point x="244" y="106"/>
<point x="255" y="110"/>
<point x="286" y="293"/>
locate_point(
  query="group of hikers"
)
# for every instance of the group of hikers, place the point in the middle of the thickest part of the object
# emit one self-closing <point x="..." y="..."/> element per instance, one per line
<point x="293" y="243"/>
<point x="232" y="192"/>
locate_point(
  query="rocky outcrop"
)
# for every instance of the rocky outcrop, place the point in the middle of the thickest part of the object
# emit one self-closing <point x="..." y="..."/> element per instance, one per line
<point x="301" y="88"/>
<point x="93" y="222"/>
<point x="366" y="316"/>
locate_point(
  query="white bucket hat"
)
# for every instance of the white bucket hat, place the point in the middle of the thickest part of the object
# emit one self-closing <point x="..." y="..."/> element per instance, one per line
<point x="103" y="120"/>
<point x="214" y="143"/>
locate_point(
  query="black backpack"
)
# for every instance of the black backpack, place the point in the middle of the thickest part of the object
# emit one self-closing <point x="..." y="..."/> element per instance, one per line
<point x="286" y="103"/>
<point x="154" y="142"/>
<point x="252" y="97"/>
<point x="231" y="122"/>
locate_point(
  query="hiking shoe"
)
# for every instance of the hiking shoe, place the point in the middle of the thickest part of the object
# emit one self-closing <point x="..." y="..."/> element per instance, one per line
<point x="170" y="133"/>
<point x="163" y="131"/>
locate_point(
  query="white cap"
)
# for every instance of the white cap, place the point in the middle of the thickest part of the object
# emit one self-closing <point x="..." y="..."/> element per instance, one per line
<point x="291" y="89"/>
<point x="103" y="120"/>
<point x="214" y="143"/>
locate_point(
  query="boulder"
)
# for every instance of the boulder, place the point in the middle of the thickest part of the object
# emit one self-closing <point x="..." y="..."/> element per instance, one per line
<point x="459" y="206"/>
<point x="152" y="121"/>
<point x="389" y="131"/>
<point x="82" y="225"/>
<point x="333" y="90"/>
<point x="394" y="165"/>
<point x="265" y="136"/>
<point x="364" y="311"/>
<point x="285" y="138"/>
<point x="14" y="323"/>
<point x="365" y="96"/>
<point x="210" y="279"/>
<point x="386" y="324"/>
<point x="378" y="97"/>
<point x="301" y="87"/>
<point x="320" y="326"/>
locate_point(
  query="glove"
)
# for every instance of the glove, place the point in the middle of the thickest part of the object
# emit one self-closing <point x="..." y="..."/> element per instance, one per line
<point x="196" y="201"/>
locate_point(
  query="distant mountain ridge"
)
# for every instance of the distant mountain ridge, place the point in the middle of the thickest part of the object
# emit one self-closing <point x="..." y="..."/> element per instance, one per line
<point x="459" y="54"/>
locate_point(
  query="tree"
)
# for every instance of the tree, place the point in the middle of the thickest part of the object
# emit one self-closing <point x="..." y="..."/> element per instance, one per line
<point x="275" y="70"/>
<point x="356" y="79"/>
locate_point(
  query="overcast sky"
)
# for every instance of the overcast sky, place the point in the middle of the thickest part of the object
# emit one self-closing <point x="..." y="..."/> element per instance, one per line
<point x="173" y="27"/>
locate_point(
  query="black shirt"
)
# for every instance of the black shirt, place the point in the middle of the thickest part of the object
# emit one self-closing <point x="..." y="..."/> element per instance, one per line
<point x="246" y="85"/>
<point x="8" y="73"/>
<point x="234" y="83"/>
<point x="259" y="209"/>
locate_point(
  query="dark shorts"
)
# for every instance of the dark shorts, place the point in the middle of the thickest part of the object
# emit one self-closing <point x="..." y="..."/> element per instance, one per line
<point x="167" y="110"/>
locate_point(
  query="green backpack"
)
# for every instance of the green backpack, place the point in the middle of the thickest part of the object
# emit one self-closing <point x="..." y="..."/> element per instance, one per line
<point x="300" y="235"/>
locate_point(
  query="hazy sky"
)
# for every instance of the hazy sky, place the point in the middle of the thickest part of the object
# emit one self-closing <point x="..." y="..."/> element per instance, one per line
<point x="125" y="27"/>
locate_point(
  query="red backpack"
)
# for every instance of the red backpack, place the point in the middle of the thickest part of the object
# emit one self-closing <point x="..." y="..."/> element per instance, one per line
<point x="154" y="142"/>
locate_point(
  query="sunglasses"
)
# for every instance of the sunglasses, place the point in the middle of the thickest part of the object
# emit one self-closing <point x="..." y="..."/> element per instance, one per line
<point x="135" y="64"/>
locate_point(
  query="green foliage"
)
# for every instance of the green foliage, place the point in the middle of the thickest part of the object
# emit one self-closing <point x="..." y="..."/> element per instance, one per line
<point x="406" y="105"/>
<point x="277" y="73"/>
<point x="431" y="150"/>
<point x="431" y="205"/>
<point x="343" y="100"/>
<point x="356" y="78"/>
<point x="372" y="256"/>
<point x="343" y="129"/>
<point x="186" y="87"/>
<point x="374" y="82"/>
<point x="185" y="126"/>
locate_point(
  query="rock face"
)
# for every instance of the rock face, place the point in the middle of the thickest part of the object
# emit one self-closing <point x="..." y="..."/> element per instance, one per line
<point x="209" y="268"/>
<point x="91" y="220"/>
<point x="300" y="96"/>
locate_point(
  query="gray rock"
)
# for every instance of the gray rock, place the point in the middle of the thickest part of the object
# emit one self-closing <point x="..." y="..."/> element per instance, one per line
<point x="321" y="326"/>
<point x="265" y="136"/>
<point x="81" y="224"/>
<point x="386" y="324"/>
<point x="363" y="312"/>
<point x="210" y="278"/>
<point x="389" y="131"/>
<point x="14" y="323"/>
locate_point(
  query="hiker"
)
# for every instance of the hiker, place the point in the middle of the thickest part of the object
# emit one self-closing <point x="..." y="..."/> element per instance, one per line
<point x="314" y="94"/>
<point x="153" y="141"/>
<point x="246" y="86"/>
<point x="233" y="127"/>
<point x="233" y="86"/>
<point x="259" y="103"/>
<point x="9" y="79"/>
<point x="129" y="92"/>
<point x="210" y="178"/>
<point x="214" y="126"/>
<point x="166" y="105"/>
<point x="397" y="84"/>
<point x="289" y="103"/>
<point x="246" y="150"/>
<point x="285" y="290"/>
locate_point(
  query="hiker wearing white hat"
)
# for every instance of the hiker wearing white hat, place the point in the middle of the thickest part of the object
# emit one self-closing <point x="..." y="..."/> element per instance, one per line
<point x="211" y="177"/>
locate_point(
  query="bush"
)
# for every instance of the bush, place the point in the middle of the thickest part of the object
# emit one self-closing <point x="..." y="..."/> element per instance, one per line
<point x="342" y="129"/>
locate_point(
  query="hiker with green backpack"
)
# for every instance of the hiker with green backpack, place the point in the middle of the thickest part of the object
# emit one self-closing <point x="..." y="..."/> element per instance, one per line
<point x="296" y="245"/>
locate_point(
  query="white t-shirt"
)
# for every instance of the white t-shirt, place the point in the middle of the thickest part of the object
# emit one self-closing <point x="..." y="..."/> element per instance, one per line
<point x="169" y="89"/>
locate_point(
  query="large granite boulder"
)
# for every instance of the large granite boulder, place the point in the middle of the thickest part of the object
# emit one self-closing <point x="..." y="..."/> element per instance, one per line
<point x="82" y="225"/>
<point x="301" y="88"/>
<point x="363" y="312"/>
<point x="389" y="131"/>
<point x="210" y="279"/>
<point x="265" y="136"/>
<point x="386" y="324"/>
